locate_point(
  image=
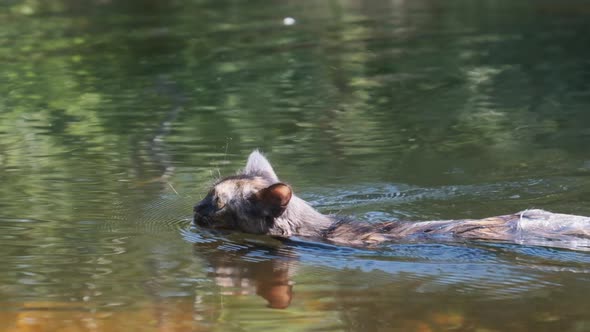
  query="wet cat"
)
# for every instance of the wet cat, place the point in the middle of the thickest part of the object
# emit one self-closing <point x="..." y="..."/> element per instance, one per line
<point x="256" y="201"/>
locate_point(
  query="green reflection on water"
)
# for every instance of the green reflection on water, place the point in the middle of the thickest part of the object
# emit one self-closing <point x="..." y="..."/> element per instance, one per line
<point x="99" y="98"/>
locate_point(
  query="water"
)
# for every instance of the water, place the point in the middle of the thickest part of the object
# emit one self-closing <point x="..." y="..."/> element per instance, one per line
<point x="116" y="116"/>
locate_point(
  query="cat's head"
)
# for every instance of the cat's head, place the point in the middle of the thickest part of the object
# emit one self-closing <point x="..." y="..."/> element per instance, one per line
<point x="249" y="201"/>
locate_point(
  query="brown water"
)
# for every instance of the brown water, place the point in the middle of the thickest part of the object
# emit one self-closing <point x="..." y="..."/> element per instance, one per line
<point x="115" y="117"/>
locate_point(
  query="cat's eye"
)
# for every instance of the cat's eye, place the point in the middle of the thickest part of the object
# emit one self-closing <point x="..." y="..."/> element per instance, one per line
<point x="218" y="203"/>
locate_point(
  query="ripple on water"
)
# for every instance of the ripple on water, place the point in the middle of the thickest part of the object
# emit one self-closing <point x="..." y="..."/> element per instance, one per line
<point x="492" y="270"/>
<point x="378" y="202"/>
<point x="169" y="212"/>
<point x="544" y="258"/>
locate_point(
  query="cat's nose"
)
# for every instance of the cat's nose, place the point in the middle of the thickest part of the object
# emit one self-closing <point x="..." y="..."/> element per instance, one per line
<point x="197" y="209"/>
<point x="202" y="209"/>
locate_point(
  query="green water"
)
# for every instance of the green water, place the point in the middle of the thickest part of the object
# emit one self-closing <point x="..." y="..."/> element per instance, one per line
<point x="116" y="116"/>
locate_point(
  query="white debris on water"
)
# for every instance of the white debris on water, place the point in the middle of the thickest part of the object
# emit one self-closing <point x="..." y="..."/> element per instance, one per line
<point x="288" y="21"/>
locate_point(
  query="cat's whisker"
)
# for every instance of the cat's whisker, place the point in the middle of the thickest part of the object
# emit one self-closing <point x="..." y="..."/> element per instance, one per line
<point x="172" y="187"/>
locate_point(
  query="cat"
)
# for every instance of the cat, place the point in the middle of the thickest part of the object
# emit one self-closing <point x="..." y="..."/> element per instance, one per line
<point x="256" y="201"/>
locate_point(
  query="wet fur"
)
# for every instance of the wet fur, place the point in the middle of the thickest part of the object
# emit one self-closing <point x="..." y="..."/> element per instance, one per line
<point x="255" y="201"/>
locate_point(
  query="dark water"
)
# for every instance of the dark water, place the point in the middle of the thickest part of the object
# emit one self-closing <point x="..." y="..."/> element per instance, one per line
<point x="115" y="116"/>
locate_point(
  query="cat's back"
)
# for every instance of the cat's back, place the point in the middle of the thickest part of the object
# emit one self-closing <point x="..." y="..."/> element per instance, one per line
<point x="537" y="227"/>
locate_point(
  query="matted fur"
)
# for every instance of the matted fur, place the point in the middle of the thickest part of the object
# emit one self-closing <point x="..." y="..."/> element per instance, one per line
<point x="233" y="203"/>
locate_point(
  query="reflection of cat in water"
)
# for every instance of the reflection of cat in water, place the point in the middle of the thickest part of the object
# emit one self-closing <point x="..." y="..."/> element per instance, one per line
<point x="269" y="278"/>
<point x="256" y="201"/>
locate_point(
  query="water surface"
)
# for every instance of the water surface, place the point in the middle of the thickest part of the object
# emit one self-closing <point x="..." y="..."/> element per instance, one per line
<point x="116" y="116"/>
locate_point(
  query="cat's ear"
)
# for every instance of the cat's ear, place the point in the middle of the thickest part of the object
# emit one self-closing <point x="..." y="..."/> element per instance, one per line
<point x="258" y="165"/>
<point x="274" y="199"/>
